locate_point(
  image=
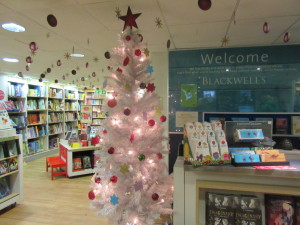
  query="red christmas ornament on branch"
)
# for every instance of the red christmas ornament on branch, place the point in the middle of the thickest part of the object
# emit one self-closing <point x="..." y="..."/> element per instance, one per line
<point x="111" y="150"/>
<point x="128" y="38"/>
<point x="150" y="87"/>
<point x="126" y="61"/>
<point x="91" y="195"/>
<point x="138" y="52"/>
<point x="131" y="138"/>
<point x="127" y="112"/>
<point x="151" y="123"/>
<point x="163" y="118"/>
<point x="155" y="197"/>
<point x="97" y="180"/>
<point x="112" y="103"/>
<point x="114" y="179"/>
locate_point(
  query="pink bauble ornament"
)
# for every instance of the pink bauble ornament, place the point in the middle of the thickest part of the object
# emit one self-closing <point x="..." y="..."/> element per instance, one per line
<point x="155" y="197"/>
<point x="58" y="63"/>
<point x="204" y="4"/>
<point x="112" y="103"/>
<point x="28" y="59"/>
<point x="97" y="180"/>
<point x="20" y="74"/>
<point x="33" y="46"/>
<point x="104" y="132"/>
<point x="266" y="28"/>
<point x="137" y="52"/>
<point x="126" y="61"/>
<point x="127" y="112"/>
<point x="114" y="179"/>
<point x="286" y="37"/>
<point x="82" y="79"/>
<point x="151" y="123"/>
<point x="93" y="74"/>
<point x="91" y="195"/>
<point x="27" y="68"/>
<point x="163" y="118"/>
<point x="111" y="150"/>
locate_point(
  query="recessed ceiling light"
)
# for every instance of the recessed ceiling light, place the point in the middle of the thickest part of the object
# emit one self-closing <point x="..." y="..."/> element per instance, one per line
<point x="13" y="27"/>
<point x="10" y="60"/>
<point x="77" y="55"/>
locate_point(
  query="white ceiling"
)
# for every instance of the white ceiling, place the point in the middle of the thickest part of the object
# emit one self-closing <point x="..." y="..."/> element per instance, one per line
<point x="91" y="27"/>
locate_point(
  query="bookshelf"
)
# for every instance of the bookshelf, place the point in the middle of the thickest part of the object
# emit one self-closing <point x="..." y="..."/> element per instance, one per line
<point x="71" y="110"/>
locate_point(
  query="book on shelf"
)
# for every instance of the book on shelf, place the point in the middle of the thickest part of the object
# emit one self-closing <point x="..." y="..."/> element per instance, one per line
<point x="33" y="118"/>
<point x="4" y="168"/>
<point x="53" y="142"/>
<point x="15" y="90"/>
<point x="10" y="106"/>
<point x="86" y="161"/>
<point x="70" y="116"/>
<point x="54" y="105"/>
<point x="12" y="163"/>
<point x="295" y="125"/>
<point x="41" y="104"/>
<point x="43" y="118"/>
<point x="77" y="163"/>
<point x="2" y="150"/>
<point x="12" y="147"/>
<point x="36" y="91"/>
<point x="55" y="117"/>
<point x="35" y="146"/>
<point x="55" y="128"/>
<point x="19" y="120"/>
<point x="25" y="148"/>
<point x="4" y="187"/>
<point x="281" y="126"/>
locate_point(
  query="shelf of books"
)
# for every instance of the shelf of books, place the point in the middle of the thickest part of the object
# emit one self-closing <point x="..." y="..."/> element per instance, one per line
<point x="71" y="110"/>
<point x="11" y="173"/>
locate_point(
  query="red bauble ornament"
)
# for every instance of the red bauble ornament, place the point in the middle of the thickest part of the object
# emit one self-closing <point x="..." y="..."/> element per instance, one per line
<point x="204" y="4"/>
<point x="137" y="52"/>
<point x="119" y="70"/>
<point x="126" y="61"/>
<point x="114" y="179"/>
<point x="43" y="75"/>
<point x="20" y="74"/>
<point x="27" y="68"/>
<point x="56" y="81"/>
<point x="33" y="46"/>
<point x="111" y="150"/>
<point x="51" y="20"/>
<point x="28" y="59"/>
<point x="107" y="55"/>
<point x="155" y="197"/>
<point x="58" y="63"/>
<point x="266" y="28"/>
<point x="105" y="132"/>
<point x="93" y="74"/>
<point x="97" y="180"/>
<point x="91" y="195"/>
<point x="73" y="72"/>
<point x="163" y="118"/>
<point x="131" y="138"/>
<point x="150" y="87"/>
<point x="128" y="38"/>
<point x="151" y="123"/>
<point x="112" y="103"/>
<point x="286" y="37"/>
<point x="48" y="70"/>
<point x="159" y="155"/>
<point x="127" y="112"/>
<point x="82" y="79"/>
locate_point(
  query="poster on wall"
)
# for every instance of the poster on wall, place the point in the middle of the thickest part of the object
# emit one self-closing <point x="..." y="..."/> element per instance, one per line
<point x="185" y="117"/>
<point x="4" y="118"/>
<point x="188" y="95"/>
<point x="86" y="113"/>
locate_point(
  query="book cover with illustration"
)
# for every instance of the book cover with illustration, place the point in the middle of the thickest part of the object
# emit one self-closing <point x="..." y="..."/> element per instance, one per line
<point x="281" y="125"/>
<point x="219" y="209"/>
<point x="4" y="187"/>
<point x="295" y="125"/>
<point x="77" y="163"/>
<point x="280" y="210"/>
<point x="247" y="210"/>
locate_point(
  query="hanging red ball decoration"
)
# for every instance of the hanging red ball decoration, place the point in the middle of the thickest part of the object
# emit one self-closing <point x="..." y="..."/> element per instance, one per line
<point x="48" y="70"/>
<point x="137" y="52"/>
<point x="33" y="46"/>
<point x="97" y="180"/>
<point x="86" y="65"/>
<point x="168" y="43"/>
<point x="20" y="74"/>
<point x="111" y="150"/>
<point x="151" y="123"/>
<point x="56" y="81"/>
<point x="91" y="195"/>
<point x="107" y="55"/>
<point x="159" y="155"/>
<point x="63" y="77"/>
<point x="52" y="21"/>
<point x="94" y="74"/>
<point x="40" y="80"/>
<point x="127" y="112"/>
<point x="126" y="61"/>
<point x="128" y="38"/>
<point x="286" y="37"/>
<point x="73" y="72"/>
<point x="155" y="197"/>
<point x="58" y="63"/>
<point x="104" y="132"/>
<point x="43" y="75"/>
<point x="28" y="59"/>
<point x="204" y="4"/>
<point x="163" y="118"/>
<point x="114" y="179"/>
<point x="131" y="138"/>
<point x="266" y="28"/>
<point x="112" y="103"/>
<point x="119" y="70"/>
<point x="27" y="68"/>
<point x="82" y="79"/>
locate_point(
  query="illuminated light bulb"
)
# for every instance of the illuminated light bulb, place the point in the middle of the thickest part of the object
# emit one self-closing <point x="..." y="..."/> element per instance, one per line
<point x="136" y="118"/>
<point x="142" y="59"/>
<point x="135" y="220"/>
<point x="144" y="177"/>
<point x="110" y="96"/>
<point x="151" y="161"/>
<point x="101" y="140"/>
<point x="162" y="200"/>
<point x="138" y="131"/>
<point x="130" y="152"/>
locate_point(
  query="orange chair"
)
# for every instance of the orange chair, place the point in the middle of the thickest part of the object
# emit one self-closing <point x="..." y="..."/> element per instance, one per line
<point x="56" y="162"/>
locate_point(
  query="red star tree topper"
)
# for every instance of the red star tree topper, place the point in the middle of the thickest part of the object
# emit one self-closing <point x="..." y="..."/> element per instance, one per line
<point x="142" y="191"/>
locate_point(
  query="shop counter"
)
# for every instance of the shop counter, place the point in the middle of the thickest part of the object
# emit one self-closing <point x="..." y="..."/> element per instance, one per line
<point x="191" y="184"/>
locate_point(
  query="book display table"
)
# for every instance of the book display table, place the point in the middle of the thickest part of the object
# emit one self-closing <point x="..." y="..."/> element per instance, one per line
<point x="80" y="161"/>
<point x="191" y="186"/>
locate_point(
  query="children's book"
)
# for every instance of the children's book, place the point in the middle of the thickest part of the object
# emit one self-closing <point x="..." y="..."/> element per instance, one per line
<point x="86" y="162"/>
<point x="77" y="163"/>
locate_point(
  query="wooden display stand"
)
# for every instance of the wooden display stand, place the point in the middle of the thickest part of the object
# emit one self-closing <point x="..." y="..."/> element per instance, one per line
<point x="67" y="154"/>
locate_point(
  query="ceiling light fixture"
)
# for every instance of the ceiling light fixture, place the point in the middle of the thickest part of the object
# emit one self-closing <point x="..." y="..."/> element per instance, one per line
<point x="77" y="55"/>
<point x="13" y="27"/>
<point x="10" y="60"/>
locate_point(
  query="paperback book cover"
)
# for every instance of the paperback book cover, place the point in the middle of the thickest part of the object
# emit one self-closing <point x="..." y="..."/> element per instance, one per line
<point x="281" y="125"/>
<point x="295" y="125"/>
<point x="77" y="163"/>
<point x="219" y="209"/>
<point x="4" y="187"/>
<point x="247" y="210"/>
<point x="86" y="162"/>
<point x="280" y="210"/>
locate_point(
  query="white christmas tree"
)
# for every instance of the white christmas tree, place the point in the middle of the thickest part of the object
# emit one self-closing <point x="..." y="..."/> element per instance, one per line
<point x="131" y="184"/>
